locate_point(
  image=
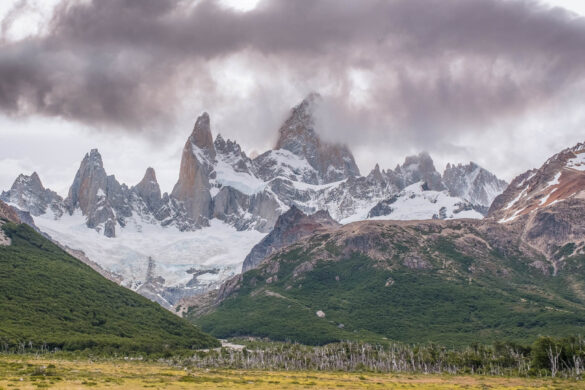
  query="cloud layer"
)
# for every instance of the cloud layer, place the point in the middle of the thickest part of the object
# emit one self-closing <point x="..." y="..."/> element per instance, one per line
<point x="410" y="71"/>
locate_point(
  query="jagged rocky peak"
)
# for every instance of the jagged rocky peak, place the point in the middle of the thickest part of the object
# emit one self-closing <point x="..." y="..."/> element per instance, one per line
<point x="99" y="197"/>
<point x="297" y="134"/>
<point x="289" y="228"/>
<point x="226" y="147"/>
<point x="89" y="184"/>
<point x="473" y="183"/>
<point x="333" y="162"/>
<point x="29" y="194"/>
<point x="230" y="152"/>
<point x="559" y="179"/>
<point x="376" y="174"/>
<point x="417" y="168"/>
<point x="201" y="135"/>
<point x="32" y="182"/>
<point x="149" y="190"/>
<point x="192" y="188"/>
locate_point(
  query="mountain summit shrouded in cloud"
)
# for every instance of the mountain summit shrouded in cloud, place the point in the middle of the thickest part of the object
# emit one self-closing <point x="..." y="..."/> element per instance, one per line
<point x="426" y="62"/>
<point x="452" y="76"/>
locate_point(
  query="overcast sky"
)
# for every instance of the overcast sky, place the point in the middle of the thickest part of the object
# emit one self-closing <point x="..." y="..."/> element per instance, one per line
<point x="499" y="82"/>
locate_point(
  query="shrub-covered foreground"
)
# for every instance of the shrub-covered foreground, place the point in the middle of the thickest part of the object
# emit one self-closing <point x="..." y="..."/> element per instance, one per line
<point x="50" y="300"/>
<point x="546" y="357"/>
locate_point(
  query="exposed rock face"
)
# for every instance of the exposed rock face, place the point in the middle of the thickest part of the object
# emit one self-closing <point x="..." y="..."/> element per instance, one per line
<point x="286" y="165"/>
<point x="473" y="183"/>
<point x="547" y="206"/>
<point x="415" y="169"/>
<point x="290" y="227"/>
<point x="489" y="248"/>
<point x="257" y="211"/>
<point x="99" y="197"/>
<point x="28" y="192"/>
<point x="8" y="213"/>
<point x="560" y="178"/>
<point x="383" y="207"/>
<point x="192" y="188"/>
<point x="556" y="230"/>
<point x="201" y="136"/>
<point x="333" y="162"/>
<point x="230" y="153"/>
<point x="149" y="190"/>
<point x="89" y="180"/>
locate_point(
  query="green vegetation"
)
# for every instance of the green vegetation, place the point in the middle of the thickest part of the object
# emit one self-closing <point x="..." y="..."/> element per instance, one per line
<point x="547" y="356"/>
<point x="50" y="300"/>
<point x="365" y="301"/>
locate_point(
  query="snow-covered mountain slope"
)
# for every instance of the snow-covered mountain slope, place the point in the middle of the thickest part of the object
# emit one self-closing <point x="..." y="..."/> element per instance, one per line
<point x="560" y="178"/>
<point x="473" y="183"/>
<point x="181" y="263"/>
<point x="416" y="202"/>
<point x="168" y="245"/>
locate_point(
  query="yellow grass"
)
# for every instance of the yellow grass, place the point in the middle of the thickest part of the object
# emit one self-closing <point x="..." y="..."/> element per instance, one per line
<point x="41" y="373"/>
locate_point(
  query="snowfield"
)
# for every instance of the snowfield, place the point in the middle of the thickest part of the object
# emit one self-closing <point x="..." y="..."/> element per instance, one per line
<point x="415" y="204"/>
<point x="218" y="247"/>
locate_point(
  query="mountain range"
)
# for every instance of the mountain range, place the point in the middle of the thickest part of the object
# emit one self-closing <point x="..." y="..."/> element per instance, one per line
<point x="514" y="275"/>
<point x="168" y="246"/>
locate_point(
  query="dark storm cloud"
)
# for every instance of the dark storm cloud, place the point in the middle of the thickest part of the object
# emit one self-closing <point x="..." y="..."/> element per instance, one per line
<point x="444" y="64"/>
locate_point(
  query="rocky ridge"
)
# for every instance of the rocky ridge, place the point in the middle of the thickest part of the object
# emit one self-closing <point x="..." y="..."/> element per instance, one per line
<point x="28" y="193"/>
<point x="219" y="183"/>
<point x="458" y="278"/>
<point x="547" y="204"/>
<point x="289" y="228"/>
<point x="537" y="222"/>
<point x="8" y="213"/>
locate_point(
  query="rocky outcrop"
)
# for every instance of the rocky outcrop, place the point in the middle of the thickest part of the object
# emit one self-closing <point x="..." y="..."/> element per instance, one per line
<point x="100" y="197"/>
<point x="149" y="190"/>
<point x="560" y="178"/>
<point x="473" y="183"/>
<point x="333" y="162"/>
<point x="7" y="213"/>
<point x="415" y="169"/>
<point x="230" y="153"/>
<point x="546" y="206"/>
<point x="257" y="211"/>
<point x="464" y="250"/>
<point x="201" y="136"/>
<point x="192" y="188"/>
<point x="383" y="207"/>
<point x="28" y="193"/>
<point x="289" y="228"/>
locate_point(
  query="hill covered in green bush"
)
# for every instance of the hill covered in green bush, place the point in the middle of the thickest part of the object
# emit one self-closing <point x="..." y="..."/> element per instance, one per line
<point x="453" y="283"/>
<point x="49" y="299"/>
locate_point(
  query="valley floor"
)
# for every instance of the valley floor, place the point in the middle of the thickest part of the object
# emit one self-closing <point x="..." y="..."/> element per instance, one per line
<point x="36" y="373"/>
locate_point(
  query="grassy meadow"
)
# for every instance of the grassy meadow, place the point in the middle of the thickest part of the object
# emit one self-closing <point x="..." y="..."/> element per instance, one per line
<point x="30" y="372"/>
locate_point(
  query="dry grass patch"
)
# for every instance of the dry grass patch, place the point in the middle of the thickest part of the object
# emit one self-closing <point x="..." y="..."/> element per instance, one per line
<point x="42" y="373"/>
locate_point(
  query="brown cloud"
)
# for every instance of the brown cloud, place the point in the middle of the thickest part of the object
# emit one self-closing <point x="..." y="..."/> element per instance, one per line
<point x="434" y="66"/>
